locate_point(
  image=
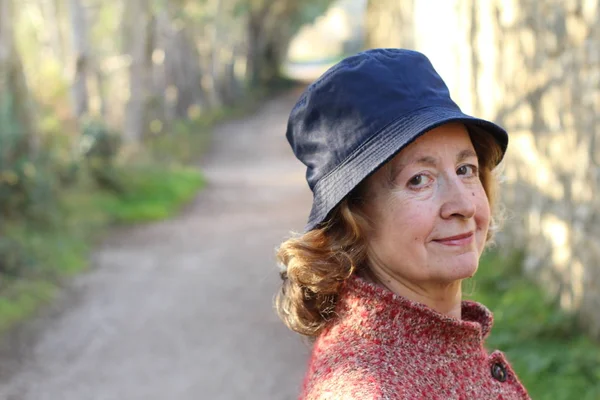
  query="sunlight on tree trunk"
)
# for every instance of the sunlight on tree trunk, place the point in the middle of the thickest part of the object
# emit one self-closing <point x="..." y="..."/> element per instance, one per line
<point x="81" y="57"/>
<point x="389" y="23"/>
<point x="49" y="9"/>
<point x="140" y="30"/>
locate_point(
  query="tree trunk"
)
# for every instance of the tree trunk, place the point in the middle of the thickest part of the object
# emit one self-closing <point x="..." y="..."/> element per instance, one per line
<point x="49" y="10"/>
<point x="255" y="49"/>
<point x="177" y="70"/>
<point x="218" y="44"/>
<point x="183" y="72"/>
<point x="389" y="23"/>
<point x="17" y="136"/>
<point x="100" y="78"/>
<point x="81" y="57"/>
<point x="269" y="31"/>
<point x="139" y="31"/>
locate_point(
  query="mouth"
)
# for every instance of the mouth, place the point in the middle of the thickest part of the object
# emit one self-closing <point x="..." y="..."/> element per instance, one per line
<point x="457" y="240"/>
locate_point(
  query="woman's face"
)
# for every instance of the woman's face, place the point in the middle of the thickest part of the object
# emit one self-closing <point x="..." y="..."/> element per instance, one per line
<point x="429" y="211"/>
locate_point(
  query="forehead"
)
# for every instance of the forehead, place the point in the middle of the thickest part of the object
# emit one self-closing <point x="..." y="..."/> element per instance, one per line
<point x="446" y="141"/>
<point x="449" y="139"/>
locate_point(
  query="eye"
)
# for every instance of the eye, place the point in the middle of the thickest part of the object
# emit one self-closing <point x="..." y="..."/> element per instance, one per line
<point x="467" y="170"/>
<point x="419" y="181"/>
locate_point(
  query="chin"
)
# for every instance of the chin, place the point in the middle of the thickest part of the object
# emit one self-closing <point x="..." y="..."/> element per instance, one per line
<point x="463" y="266"/>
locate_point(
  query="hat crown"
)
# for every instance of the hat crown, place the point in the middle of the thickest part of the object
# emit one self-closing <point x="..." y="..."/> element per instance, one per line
<point x="356" y="99"/>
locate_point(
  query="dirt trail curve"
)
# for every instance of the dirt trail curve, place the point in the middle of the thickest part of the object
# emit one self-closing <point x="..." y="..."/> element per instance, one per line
<point x="182" y="309"/>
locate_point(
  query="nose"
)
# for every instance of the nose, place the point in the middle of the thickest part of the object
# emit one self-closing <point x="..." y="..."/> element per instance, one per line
<point x="458" y="200"/>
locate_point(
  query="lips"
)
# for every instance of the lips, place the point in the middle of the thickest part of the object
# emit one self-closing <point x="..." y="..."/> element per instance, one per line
<point x="457" y="240"/>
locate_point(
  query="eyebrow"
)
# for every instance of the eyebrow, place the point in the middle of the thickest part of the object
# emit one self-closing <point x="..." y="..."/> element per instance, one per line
<point x="464" y="154"/>
<point x="431" y="161"/>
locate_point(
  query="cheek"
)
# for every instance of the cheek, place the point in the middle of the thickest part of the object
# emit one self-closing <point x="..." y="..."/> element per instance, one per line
<point x="411" y="222"/>
<point x="483" y="214"/>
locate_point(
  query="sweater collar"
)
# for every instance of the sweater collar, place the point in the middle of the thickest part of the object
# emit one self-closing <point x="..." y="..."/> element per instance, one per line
<point x="377" y="313"/>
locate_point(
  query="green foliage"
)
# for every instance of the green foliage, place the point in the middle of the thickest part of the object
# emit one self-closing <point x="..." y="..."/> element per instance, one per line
<point x="100" y="147"/>
<point x="13" y="257"/>
<point x="22" y="300"/>
<point x="152" y="193"/>
<point x="545" y="346"/>
<point x="99" y="141"/>
<point x="186" y="142"/>
<point x="51" y="252"/>
<point x="26" y="187"/>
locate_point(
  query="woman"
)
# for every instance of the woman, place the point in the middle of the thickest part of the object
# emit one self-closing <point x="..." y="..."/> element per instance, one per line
<point x="402" y="209"/>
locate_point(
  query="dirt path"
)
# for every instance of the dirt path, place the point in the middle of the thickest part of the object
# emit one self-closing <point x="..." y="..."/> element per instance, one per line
<point x="183" y="309"/>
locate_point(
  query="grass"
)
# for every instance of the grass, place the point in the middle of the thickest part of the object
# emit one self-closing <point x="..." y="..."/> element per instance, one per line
<point x="548" y="351"/>
<point x="24" y="298"/>
<point x="152" y="193"/>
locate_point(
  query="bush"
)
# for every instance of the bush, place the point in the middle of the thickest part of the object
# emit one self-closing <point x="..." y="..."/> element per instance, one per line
<point x="14" y="258"/>
<point x="186" y="142"/>
<point x="100" y="146"/>
<point x="27" y="189"/>
<point x="550" y="354"/>
<point x="152" y="192"/>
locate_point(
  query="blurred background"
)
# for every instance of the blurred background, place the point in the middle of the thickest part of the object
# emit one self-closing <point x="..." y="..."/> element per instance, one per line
<point x="145" y="181"/>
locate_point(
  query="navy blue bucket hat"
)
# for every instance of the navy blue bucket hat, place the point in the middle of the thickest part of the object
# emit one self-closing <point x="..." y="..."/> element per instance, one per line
<point x="361" y="113"/>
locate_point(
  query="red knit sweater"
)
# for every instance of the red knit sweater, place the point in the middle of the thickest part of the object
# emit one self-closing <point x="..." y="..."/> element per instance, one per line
<point x="384" y="346"/>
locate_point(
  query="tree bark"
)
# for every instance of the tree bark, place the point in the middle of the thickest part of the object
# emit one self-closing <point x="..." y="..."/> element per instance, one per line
<point x="183" y="72"/>
<point x="17" y="136"/>
<point x="255" y="42"/>
<point x="270" y="28"/>
<point x="81" y="58"/>
<point x="139" y="29"/>
<point x="177" y="72"/>
<point x="49" y="10"/>
<point x="390" y="23"/>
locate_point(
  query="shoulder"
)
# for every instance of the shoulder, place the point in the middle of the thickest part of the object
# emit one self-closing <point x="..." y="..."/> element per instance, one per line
<point x="348" y="385"/>
<point x="344" y="370"/>
<point x="345" y="381"/>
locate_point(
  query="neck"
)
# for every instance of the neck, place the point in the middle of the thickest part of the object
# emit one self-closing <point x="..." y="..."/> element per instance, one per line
<point x="445" y="298"/>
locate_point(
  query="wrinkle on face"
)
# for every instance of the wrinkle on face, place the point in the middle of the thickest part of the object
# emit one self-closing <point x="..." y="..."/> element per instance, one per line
<point x="407" y="246"/>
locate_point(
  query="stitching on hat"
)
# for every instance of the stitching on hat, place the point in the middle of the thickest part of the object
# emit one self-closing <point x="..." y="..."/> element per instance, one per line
<point x="376" y="134"/>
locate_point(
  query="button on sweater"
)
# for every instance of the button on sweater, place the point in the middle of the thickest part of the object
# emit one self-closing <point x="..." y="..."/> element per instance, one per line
<point x="384" y="346"/>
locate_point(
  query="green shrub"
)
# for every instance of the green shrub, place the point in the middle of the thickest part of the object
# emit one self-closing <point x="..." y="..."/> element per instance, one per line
<point x="100" y="147"/>
<point x="27" y="190"/>
<point x="13" y="257"/>
<point x="22" y="300"/>
<point x="27" y="187"/>
<point x="185" y="143"/>
<point x="549" y="352"/>
<point x="152" y="192"/>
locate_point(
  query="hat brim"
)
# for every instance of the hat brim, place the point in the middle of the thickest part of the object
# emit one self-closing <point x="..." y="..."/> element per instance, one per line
<point x="382" y="147"/>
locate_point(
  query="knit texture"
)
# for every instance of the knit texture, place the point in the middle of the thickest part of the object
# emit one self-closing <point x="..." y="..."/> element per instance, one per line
<point x="384" y="346"/>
